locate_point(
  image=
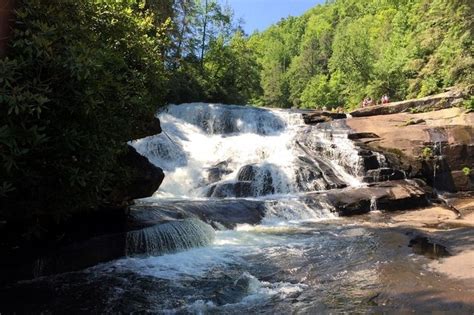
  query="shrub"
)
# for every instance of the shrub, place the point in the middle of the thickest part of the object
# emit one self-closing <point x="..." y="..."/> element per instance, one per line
<point x="80" y="79"/>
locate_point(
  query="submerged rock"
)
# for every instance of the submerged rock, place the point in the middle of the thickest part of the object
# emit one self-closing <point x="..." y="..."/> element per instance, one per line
<point x="422" y="245"/>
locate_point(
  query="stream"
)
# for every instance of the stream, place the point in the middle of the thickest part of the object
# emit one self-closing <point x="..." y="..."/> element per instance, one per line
<point x="282" y="255"/>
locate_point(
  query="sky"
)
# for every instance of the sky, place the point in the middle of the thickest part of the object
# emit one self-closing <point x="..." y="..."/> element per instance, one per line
<point x="260" y="14"/>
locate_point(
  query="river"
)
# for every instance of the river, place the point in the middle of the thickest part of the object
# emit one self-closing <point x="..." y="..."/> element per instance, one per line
<point x="287" y="254"/>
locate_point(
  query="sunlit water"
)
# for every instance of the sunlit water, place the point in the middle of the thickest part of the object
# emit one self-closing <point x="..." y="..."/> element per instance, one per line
<point x="300" y="259"/>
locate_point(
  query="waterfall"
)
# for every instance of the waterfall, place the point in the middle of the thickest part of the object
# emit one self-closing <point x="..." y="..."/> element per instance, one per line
<point x="169" y="237"/>
<point x="229" y="151"/>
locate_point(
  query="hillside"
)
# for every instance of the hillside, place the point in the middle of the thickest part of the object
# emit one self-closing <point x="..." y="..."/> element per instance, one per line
<point x="341" y="52"/>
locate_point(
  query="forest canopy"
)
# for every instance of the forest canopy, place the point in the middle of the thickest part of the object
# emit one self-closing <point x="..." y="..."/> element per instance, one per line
<point x="338" y="53"/>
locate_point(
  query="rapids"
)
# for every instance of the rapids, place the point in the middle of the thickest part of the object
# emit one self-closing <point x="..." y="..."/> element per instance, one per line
<point x="293" y="257"/>
<point x="211" y="150"/>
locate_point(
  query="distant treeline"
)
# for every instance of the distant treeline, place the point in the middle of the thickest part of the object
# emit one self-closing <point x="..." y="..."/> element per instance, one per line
<point x="338" y="53"/>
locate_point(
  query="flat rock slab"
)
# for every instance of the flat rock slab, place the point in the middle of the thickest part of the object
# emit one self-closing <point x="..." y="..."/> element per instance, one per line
<point x="225" y="213"/>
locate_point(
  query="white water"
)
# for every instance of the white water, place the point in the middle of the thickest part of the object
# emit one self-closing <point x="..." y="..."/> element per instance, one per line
<point x="169" y="237"/>
<point x="197" y="137"/>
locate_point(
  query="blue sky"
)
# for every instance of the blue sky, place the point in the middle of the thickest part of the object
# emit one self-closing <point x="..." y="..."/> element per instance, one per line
<point x="259" y="14"/>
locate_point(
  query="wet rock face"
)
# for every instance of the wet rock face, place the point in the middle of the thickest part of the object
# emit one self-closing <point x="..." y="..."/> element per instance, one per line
<point x="146" y="179"/>
<point x="216" y="172"/>
<point x="247" y="173"/>
<point x="463" y="181"/>
<point x="309" y="177"/>
<point x="383" y="174"/>
<point x="252" y="181"/>
<point x="390" y="195"/>
<point x="444" y="166"/>
<point x="315" y="117"/>
<point x="224" y="190"/>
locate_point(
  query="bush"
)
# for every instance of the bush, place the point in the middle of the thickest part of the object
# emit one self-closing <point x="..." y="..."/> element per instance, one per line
<point x="80" y="79"/>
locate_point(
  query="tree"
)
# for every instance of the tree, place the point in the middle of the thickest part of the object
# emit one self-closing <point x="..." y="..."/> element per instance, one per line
<point x="80" y="79"/>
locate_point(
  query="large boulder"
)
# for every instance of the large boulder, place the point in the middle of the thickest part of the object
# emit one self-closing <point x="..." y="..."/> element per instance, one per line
<point x="383" y="174"/>
<point x="146" y="179"/>
<point x="390" y="196"/>
<point x="436" y="151"/>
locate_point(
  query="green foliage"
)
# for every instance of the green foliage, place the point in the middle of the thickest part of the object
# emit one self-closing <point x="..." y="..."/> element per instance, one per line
<point x="319" y="93"/>
<point x="427" y="153"/>
<point x="366" y="48"/>
<point x="231" y="71"/>
<point x="469" y="104"/>
<point x="81" y="78"/>
<point x="467" y="171"/>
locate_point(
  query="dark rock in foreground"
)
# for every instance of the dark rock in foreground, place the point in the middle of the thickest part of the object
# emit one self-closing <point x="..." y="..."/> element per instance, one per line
<point x="146" y="231"/>
<point x="146" y="179"/>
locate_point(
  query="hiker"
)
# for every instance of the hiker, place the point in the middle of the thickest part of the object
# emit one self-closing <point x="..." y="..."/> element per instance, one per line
<point x="385" y="99"/>
<point x="370" y="102"/>
<point x="365" y="102"/>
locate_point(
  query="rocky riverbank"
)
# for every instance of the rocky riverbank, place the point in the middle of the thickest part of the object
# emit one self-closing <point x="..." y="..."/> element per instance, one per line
<point x="433" y="140"/>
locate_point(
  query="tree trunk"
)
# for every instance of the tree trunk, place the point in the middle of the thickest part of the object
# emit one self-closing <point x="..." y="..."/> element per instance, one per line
<point x="6" y="24"/>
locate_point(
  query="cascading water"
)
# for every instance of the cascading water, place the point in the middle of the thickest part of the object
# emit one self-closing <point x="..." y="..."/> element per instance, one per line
<point x="211" y="152"/>
<point x="169" y="237"/>
<point x="239" y="225"/>
<point x="235" y="151"/>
